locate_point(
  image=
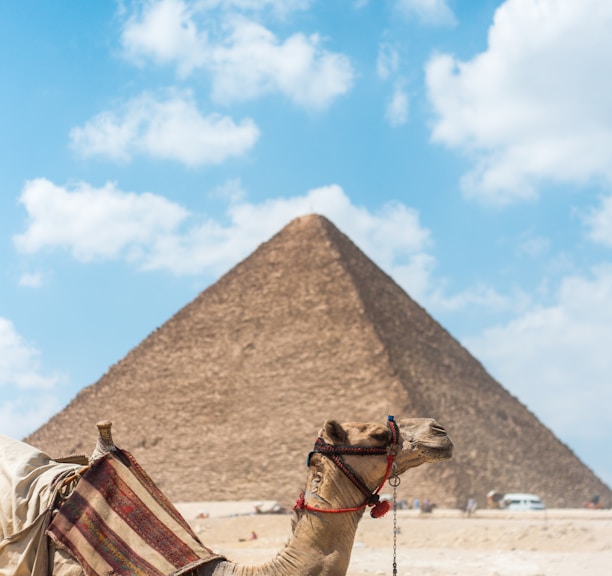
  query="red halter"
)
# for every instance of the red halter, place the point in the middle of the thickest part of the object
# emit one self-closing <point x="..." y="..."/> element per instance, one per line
<point x="334" y="453"/>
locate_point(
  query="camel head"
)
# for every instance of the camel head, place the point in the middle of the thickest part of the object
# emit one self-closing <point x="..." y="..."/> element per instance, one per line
<point x="359" y="457"/>
<point x="424" y="440"/>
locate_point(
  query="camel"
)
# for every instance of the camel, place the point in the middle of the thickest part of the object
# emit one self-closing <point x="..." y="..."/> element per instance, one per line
<point x="346" y="470"/>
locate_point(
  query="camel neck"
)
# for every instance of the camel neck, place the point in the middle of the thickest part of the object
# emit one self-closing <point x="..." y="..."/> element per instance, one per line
<point x="321" y="545"/>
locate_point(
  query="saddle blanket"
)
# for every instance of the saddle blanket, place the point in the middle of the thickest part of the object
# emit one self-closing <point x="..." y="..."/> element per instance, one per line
<point x="117" y="522"/>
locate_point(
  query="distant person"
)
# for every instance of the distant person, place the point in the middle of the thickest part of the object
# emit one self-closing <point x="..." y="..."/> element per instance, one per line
<point x="470" y="507"/>
<point x="427" y="506"/>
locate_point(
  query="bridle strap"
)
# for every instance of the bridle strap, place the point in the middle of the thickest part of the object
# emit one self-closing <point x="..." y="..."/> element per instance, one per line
<point x="335" y="453"/>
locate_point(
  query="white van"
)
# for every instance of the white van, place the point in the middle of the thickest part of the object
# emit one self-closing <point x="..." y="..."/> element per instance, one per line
<point x="519" y="501"/>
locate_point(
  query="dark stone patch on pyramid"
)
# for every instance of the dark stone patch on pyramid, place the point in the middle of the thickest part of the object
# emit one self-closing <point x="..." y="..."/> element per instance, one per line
<point x="224" y="401"/>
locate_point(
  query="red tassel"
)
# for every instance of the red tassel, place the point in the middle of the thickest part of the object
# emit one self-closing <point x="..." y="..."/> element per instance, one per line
<point x="300" y="502"/>
<point x="380" y="509"/>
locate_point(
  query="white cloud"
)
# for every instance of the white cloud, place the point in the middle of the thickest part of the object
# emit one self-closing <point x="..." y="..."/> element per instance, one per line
<point x="432" y="12"/>
<point x="397" y="108"/>
<point x="95" y="223"/>
<point x="252" y="62"/>
<point x="599" y="222"/>
<point x="19" y="362"/>
<point x="245" y="59"/>
<point x="166" y="33"/>
<point x="534" y="105"/>
<point x="557" y="358"/>
<point x="170" y="128"/>
<point x="154" y="233"/>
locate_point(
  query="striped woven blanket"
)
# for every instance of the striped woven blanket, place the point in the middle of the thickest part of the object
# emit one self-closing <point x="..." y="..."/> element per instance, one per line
<point x="117" y="522"/>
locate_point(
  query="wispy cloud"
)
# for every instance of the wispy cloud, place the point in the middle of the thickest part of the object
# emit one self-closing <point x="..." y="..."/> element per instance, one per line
<point x="397" y="107"/>
<point x="533" y="106"/>
<point x="599" y="222"/>
<point x="533" y="245"/>
<point x="19" y="361"/>
<point x="429" y="12"/>
<point x="564" y="354"/>
<point x="24" y="413"/>
<point x="169" y="127"/>
<point x="387" y="61"/>
<point x="31" y="280"/>
<point x="387" y="68"/>
<point x="481" y="296"/>
<point x="28" y="396"/>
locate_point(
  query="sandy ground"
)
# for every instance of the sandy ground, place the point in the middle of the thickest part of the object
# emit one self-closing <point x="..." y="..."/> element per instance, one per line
<point x="490" y="543"/>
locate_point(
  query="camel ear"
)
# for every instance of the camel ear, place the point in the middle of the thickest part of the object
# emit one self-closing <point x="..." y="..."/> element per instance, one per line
<point x="333" y="432"/>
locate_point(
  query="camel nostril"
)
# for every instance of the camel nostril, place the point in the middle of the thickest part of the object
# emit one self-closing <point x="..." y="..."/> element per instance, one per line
<point x="437" y="430"/>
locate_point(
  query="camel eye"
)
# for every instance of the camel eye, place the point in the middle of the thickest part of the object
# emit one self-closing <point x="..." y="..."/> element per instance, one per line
<point x="383" y="436"/>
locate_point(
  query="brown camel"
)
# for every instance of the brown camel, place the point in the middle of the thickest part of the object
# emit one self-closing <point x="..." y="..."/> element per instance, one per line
<point x="347" y="468"/>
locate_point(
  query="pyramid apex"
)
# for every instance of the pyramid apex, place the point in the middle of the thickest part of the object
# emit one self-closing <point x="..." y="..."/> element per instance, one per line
<point x="312" y="219"/>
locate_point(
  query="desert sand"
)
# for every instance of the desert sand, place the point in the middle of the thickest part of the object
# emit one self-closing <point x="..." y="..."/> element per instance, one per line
<point x="556" y="542"/>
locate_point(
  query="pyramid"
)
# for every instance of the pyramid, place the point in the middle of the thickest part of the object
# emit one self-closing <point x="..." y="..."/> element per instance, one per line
<point x="224" y="400"/>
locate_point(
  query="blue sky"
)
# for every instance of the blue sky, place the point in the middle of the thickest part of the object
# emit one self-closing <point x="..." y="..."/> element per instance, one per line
<point x="466" y="147"/>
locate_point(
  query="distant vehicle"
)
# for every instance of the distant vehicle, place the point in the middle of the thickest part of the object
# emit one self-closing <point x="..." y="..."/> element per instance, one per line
<point x="519" y="501"/>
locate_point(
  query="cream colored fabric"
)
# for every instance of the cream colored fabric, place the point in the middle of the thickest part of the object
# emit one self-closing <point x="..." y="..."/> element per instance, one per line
<point x="63" y="562"/>
<point x="26" y="497"/>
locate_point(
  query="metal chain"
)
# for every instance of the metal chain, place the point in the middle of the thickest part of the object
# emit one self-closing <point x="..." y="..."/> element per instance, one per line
<point x="394" y="481"/>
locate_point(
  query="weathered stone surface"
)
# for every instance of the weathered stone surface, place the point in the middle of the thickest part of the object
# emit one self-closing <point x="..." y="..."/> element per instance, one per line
<point x="226" y="398"/>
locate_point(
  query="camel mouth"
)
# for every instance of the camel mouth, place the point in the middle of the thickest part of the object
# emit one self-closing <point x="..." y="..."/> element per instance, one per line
<point x="440" y="447"/>
<point x="434" y="452"/>
<point x="427" y="437"/>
